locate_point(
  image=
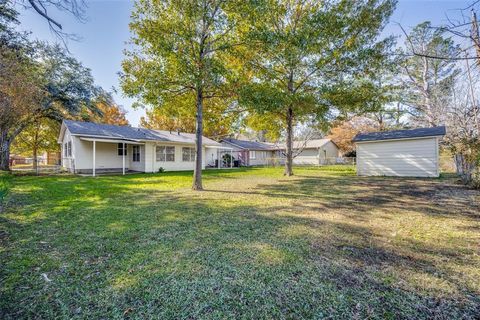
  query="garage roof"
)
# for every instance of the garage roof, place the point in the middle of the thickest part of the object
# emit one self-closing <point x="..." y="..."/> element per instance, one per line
<point x="400" y="134"/>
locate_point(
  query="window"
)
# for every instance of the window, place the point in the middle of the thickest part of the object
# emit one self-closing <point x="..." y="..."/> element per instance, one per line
<point x="136" y="153"/>
<point x="121" y="150"/>
<point x="165" y="153"/>
<point x="253" y="155"/>
<point x="67" y="149"/>
<point x="188" y="154"/>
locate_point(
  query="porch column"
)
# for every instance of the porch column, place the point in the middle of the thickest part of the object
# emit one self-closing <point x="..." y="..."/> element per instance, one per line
<point x="231" y="158"/>
<point x="123" y="159"/>
<point x="94" y="149"/>
<point x="218" y="158"/>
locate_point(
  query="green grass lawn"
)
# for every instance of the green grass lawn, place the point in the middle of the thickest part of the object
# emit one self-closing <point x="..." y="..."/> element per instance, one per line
<point x="322" y="244"/>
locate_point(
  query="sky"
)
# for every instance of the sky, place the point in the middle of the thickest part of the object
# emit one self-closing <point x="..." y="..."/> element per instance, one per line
<point x="104" y="35"/>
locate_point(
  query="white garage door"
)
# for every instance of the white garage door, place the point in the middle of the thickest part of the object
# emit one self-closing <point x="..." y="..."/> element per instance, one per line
<point x="408" y="158"/>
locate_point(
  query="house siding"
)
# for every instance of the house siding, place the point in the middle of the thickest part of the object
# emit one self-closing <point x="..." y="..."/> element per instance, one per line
<point x="178" y="164"/>
<point x="67" y="161"/>
<point x="106" y="156"/>
<point x="408" y="158"/>
<point x="211" y="155"/>
<point x="314" y="156"/>
<point x="262" y="158"/>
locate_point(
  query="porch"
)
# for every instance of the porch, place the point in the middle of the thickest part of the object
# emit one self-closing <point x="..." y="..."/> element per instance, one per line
<point x="111" y="156"/>
<point x="226" y="158"/>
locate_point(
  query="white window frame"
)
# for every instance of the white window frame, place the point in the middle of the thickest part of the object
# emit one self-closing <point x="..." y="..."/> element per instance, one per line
<point x="190" y="155"/>
<point x="161" y="154"/>
<point x="252" y="154"/>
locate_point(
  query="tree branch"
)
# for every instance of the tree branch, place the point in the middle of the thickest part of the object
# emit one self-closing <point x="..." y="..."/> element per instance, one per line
<point x="44" y="14"/>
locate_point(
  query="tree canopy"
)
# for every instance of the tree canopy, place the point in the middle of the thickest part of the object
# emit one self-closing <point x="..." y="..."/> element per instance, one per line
<point x="313" y="58"/>
<point x="182" y="54"/>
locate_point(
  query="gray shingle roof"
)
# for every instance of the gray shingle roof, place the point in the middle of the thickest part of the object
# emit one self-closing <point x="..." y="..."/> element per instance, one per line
<point x="131" y="133"/>
<point x="400" y="134"/>
<point x="249" y="145"/>
<point x="108" y="131"/>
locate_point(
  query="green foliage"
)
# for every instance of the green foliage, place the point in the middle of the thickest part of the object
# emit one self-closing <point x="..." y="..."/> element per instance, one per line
<point x="69" y="85"/>
<point x="41" y="136"/>
<point x="308" y="51"/>
<point x="180" y="45"/>
<point x="177" y="113"/>
<point x="310" y="60"/>
<point x="38" y="81"/>
<point x="182" y="53"/>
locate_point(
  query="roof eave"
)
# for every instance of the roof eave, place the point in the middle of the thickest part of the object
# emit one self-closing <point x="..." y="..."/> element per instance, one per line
<point x="396" y="139"/>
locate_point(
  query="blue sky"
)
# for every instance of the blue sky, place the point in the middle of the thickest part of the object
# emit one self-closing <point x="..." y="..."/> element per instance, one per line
<point x="105" y="33"/>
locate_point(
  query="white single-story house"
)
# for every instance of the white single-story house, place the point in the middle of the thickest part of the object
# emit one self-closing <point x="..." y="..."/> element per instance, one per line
<point x="92" y="148"/>
<point x="252" y="153"/>
<point x="315" y="152"/>
<point x="406" y="153"/>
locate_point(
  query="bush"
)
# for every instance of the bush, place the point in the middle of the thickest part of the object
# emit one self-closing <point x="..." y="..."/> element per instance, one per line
<point x="161" y="170"/>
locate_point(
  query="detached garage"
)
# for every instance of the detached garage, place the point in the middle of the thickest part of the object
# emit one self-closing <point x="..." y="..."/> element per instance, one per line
<point x="404" y="153"/>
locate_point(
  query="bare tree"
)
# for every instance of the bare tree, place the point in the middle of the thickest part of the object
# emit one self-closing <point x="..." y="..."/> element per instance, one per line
<point x="427" y="81"/>
<point x="75" y="8"/>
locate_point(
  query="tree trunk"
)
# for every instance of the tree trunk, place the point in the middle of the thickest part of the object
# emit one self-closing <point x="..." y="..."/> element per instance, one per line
<point x="289" y="152"/>
<point x="35" y="148"/>
<point x="35" y="159"/>
<point x="197" y="172"/>
<point x="4" y="151"/>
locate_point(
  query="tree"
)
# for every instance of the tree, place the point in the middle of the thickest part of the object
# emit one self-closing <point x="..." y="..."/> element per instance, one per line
<point x="343" y="133"/>
<point x="181" y="51"/>
<point x="428" y="82"/>
<point x="21" y="87"/>
<point x="308" y="52"/>
<point x="177" y="113"/>
<point x="463" y="122"/>
<point x="264" y="126"/>
<point x="106" y="110"/>
<point x="44" y="83"/>
<point x="75" y="8"/>
<point x="40" y="136"/>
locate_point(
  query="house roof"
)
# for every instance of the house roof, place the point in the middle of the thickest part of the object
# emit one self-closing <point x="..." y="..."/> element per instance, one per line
<point x="81" y="128"/>
<point x="254" y="145"/>
<point x="400" y="134"/>
<point x="249" y="145"/>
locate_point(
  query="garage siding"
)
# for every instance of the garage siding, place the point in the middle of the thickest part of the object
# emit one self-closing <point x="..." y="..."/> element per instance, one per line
<point x="408" y="158"/>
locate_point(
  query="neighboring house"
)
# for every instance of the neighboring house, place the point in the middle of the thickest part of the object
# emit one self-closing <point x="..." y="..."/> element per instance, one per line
<point x="310" y="152"/>
<point x="252" y="153"/>
<point x="409" y="153"/>
<point x="91" y="147"/>
<point x="314" y="152"/>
